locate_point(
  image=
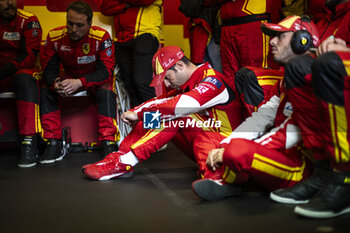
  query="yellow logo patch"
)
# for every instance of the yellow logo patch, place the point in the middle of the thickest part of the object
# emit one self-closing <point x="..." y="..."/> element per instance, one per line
<point x="159" y="69"/>
<point x="86" y="48"/>
<point x="347" y="180"/>
<point x="304" y="41"/>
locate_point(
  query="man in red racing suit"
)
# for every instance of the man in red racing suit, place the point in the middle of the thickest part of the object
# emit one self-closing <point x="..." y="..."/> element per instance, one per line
<point x="204" y="102"/>
<point x="19" y="45"/>
<point x="86" y="54"/>
<point x="320" y="94"/>
<point x="266" y="146"/>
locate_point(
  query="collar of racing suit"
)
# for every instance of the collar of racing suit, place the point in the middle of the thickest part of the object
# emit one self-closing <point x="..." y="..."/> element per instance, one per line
<point x="195" y="78"/>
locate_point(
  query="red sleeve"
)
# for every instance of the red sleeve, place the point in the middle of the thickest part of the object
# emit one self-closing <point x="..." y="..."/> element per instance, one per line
<point x="210" y="92"/>
<point x="168" y="94"/>
<point x="105" y="64"/>
<point x="30" y="45"/>
<point x="112" y="7"/>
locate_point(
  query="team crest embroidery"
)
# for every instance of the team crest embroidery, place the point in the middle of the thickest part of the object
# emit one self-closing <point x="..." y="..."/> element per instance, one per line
<point x="86" y="48"/>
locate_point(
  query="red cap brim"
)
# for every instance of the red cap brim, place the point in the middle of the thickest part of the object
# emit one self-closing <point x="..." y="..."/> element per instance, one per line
<point x="272" y="29"/>
<point x="157" y="80"/>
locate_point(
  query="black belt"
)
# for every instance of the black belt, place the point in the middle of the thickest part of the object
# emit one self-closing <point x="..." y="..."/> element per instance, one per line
<point x="245" y="19"/>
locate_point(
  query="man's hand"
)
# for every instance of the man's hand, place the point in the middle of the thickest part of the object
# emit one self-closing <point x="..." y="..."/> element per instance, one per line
<point x="58" y="87"/>
<point x="331" y="44"/>
<point x="130" y="117"/>
<point x="214" y="159"/>
<point x="70" y="86"/>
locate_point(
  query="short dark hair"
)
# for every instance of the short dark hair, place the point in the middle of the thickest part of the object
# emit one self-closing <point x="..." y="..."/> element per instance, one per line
<point x="185" y="60"/>
<point x="82" y="8"/>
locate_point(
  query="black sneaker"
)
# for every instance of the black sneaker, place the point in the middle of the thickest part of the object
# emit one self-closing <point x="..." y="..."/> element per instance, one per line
<point x="29" y="152"/>
<point x="303" y="191"/>
<point x="333" y="199"/>
<point x="108" y="147"/>
<point x="212" y="190"/>
<point x="52" y="152"/>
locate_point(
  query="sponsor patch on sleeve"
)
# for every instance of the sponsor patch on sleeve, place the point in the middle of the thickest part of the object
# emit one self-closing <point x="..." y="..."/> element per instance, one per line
<point x="213" y="80"/>
<point x="34" y="25"/>
<point x="288" y="109"/>
<point x="35" y="32"/>
<point x="106" y="44"/>
<point x="109" y="52"/>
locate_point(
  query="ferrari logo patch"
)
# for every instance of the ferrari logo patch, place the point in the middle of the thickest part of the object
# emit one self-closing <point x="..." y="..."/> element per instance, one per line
<point x="304" y="41"/>
<point x="86" y="48"/>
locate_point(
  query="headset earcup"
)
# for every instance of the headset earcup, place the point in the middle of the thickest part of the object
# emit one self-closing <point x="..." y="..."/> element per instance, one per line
<point x="301" y="41"/>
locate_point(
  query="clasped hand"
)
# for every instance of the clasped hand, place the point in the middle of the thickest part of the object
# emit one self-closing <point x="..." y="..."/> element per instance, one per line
<point x="67" y="86"/>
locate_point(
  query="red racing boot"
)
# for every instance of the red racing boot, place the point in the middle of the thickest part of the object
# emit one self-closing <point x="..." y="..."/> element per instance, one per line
<point x="108" y="168"/>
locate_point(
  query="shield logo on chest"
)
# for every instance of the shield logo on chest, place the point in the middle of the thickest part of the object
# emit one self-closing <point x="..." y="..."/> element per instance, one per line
<point x="86" y="48"/>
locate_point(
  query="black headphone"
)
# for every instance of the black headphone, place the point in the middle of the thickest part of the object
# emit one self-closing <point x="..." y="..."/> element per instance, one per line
<point x="302" y="39"/>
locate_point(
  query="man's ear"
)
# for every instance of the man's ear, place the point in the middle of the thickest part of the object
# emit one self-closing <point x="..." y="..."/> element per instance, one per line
<point x="180" y="65"/>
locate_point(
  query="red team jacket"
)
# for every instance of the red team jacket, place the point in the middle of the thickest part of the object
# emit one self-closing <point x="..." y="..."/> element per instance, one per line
<point x="90" y="59"/>
<point x="19" y="43"/>
<point x="134" y="17"/>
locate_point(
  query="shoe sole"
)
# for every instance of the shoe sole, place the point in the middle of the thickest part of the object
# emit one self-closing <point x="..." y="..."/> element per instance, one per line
<point x="319" y="214"/>
<point x="209" y="190"/>
<point x="60" y="158"/>
<point x="118" y="175"/>
<point x="52" y="160"/>
<point x="26" y="165"/>
<point x="285" y="200"/>
<point x="47" y="161"/>
<point x="163" y="148"/>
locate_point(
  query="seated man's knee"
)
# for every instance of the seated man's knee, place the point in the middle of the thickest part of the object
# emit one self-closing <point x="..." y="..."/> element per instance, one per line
<point x="239" y="150"/>
<point x="247" y="85"/>
<point x="24" y="80"/>
<point x="328" y="73"/>
<point x="26" y="87"/>
<point x="296" y="71"/>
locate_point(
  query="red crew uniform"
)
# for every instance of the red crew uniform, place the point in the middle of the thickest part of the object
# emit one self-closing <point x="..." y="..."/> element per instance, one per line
<point x="207" y="95"/>
<point x="299" y="81"/>
<point x="137" y="24"/>
<point x="315" y="100"/>
<point x="242" y="41"/>
<point x="273" y="159"/>
<point x="330" y="22"/>
<point x="91" y="60"/>
<point x="331" y="88"/>
<point x="19" y="46"/>
<point x="200" y="36"/>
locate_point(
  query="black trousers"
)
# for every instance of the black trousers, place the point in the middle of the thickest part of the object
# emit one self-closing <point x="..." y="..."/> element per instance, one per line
<point x="134" y="59"/>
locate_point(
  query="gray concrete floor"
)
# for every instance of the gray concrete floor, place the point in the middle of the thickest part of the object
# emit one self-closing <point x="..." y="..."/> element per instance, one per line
<point x="158" y="198"/>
